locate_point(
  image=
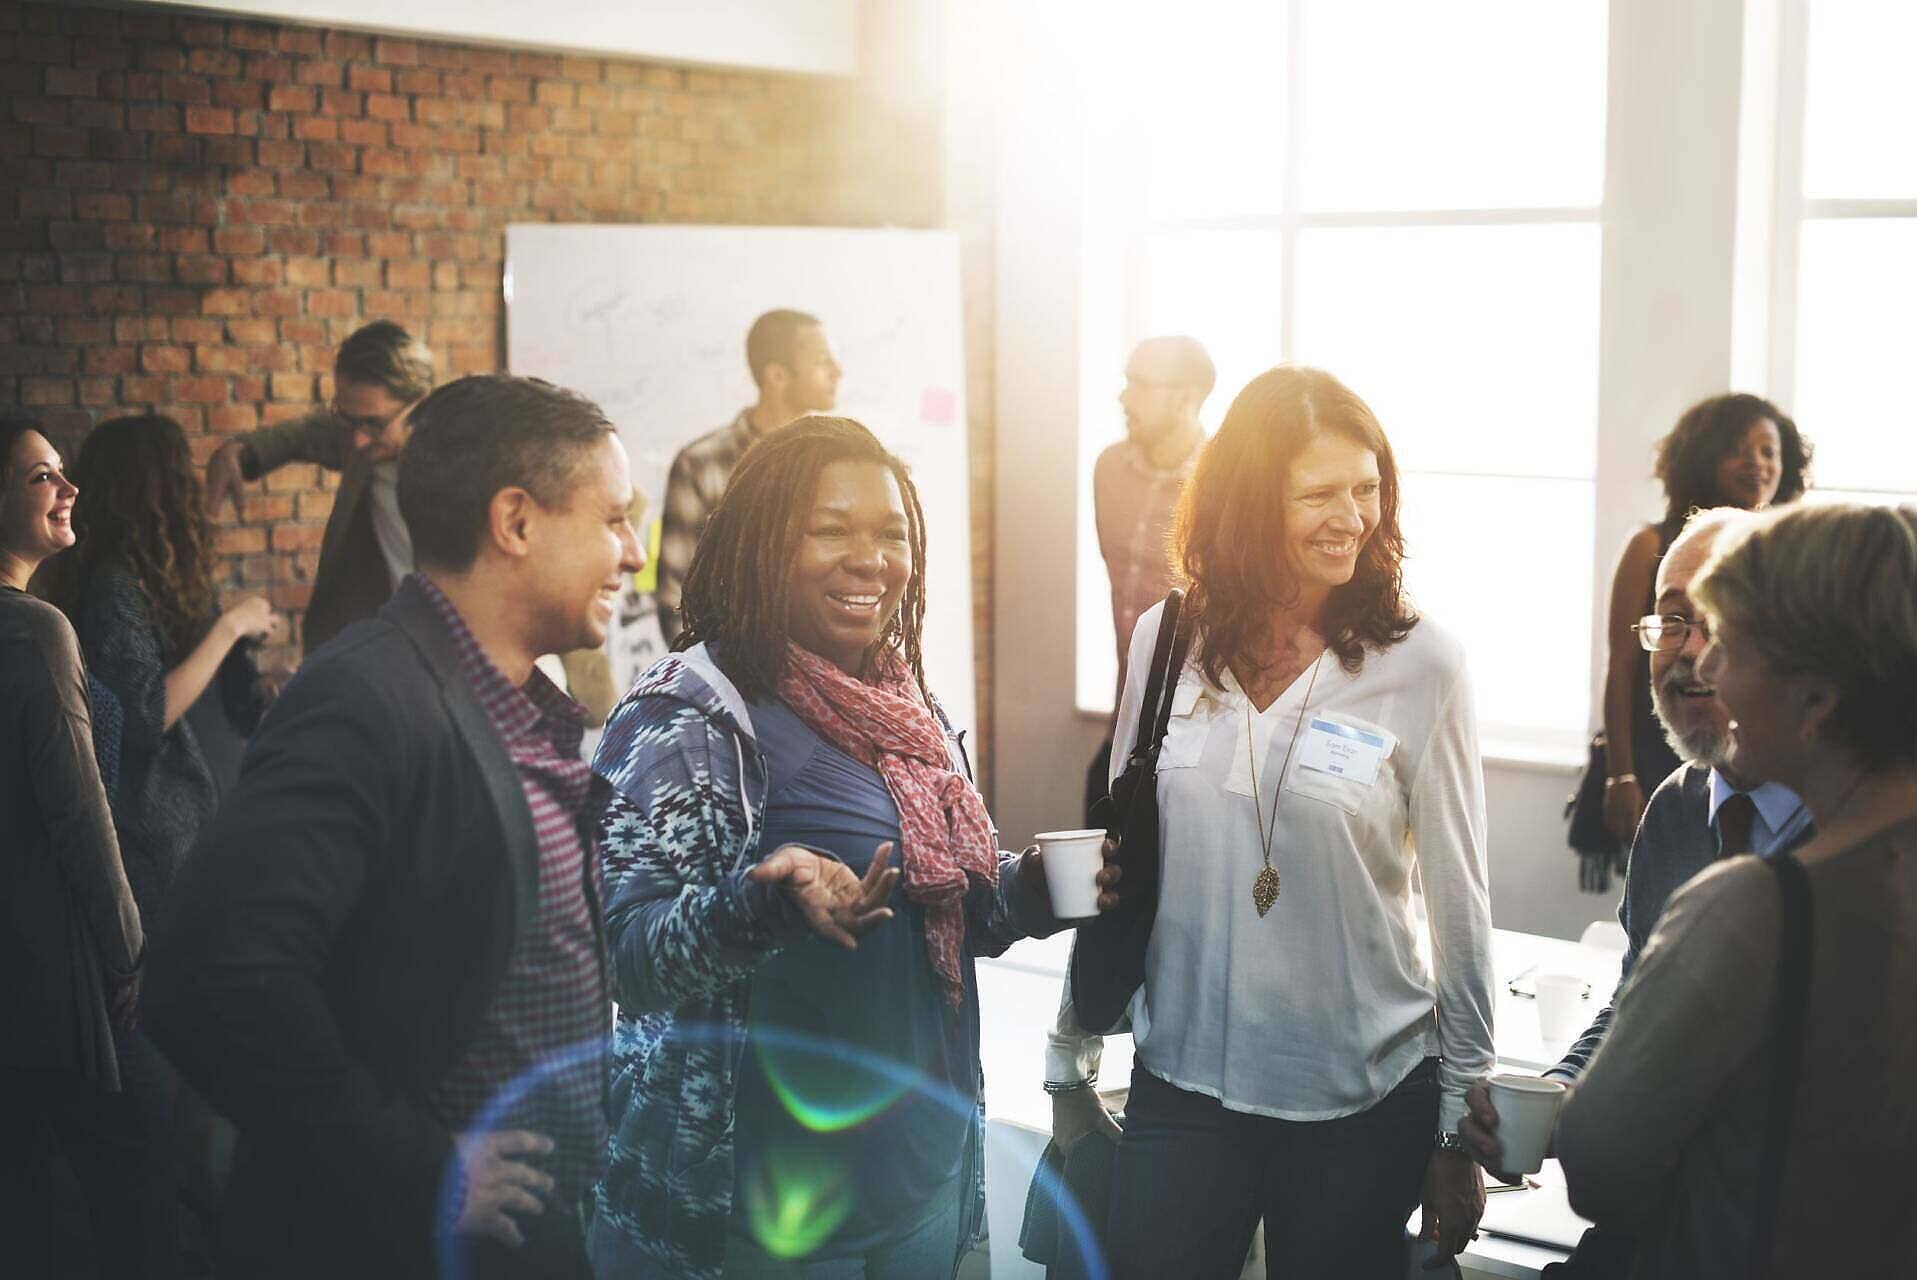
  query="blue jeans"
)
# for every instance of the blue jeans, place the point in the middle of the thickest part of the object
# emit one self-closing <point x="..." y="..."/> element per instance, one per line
<point x="1194" y="1179"/>
<point x="929" y="1252"/>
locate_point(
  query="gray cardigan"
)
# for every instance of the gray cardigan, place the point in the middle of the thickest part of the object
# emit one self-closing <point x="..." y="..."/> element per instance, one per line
<point x="1675" y="840"/>
<point x="69" y="932"/>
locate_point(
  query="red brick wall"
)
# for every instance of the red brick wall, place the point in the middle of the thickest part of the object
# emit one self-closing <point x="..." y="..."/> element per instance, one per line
<point x="194" y="212"/>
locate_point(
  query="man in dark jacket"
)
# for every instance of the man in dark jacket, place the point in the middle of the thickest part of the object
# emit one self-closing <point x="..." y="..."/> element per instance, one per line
<point x="385" y="960"/>
<point x="379" y="375"/>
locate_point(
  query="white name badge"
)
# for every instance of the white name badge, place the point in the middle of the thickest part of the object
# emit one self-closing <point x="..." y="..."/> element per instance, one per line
<point x="1342" y="751"/>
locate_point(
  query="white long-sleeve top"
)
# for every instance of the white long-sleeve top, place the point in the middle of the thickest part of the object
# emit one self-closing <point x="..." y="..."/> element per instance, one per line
<point x="1320" y="1008"/>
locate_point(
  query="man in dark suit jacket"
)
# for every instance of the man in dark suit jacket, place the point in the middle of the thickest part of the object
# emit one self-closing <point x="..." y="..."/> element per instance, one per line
<point x="379" y="374"/>
<point x="385" y="961"/>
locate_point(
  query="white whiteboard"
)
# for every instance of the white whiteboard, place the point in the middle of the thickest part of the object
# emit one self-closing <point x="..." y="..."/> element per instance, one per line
<point x="650" y="323"/>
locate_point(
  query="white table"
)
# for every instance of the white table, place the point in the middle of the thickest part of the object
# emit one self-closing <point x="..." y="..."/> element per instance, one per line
<point x="1018" y="996"/>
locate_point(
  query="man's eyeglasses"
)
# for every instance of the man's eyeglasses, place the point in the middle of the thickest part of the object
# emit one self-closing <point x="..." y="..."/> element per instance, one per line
<point x="369" y="424"/>
<point x="1668" y="630"/>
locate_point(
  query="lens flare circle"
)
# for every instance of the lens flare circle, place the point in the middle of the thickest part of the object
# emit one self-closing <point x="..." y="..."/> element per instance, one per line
<point x="801" y="1199"/>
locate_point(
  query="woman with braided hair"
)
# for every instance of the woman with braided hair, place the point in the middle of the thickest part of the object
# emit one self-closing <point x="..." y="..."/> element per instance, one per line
<point x="782" y="1107"/>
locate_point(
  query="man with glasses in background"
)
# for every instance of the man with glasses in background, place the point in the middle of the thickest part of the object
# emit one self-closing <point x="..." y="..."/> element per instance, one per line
<point x="380" y="373"/>
<point x="1135" y="485"/>
<point x="1703" y="812"/>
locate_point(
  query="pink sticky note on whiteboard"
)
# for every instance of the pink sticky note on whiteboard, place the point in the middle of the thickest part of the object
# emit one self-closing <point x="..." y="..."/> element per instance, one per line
<point x="937" y="406"/>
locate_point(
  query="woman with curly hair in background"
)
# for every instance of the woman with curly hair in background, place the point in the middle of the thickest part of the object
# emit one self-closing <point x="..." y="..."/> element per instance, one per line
<point x="1728" y="451"/>
<point x="139" y="589"/>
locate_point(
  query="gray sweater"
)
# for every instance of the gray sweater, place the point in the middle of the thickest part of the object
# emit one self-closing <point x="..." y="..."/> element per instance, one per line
<point x="1665" y="1134"/>
<point x="70" y="935"/>
<point x="1675" y="840"/>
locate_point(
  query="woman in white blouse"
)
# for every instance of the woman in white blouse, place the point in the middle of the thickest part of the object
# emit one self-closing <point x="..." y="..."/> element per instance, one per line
<point x="1299" y="1059"/>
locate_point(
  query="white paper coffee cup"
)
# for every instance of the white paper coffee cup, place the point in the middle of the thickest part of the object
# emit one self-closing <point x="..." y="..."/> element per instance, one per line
<point x="1527" y="1108"/>
<point x="1560" y="1007"/>
<point x="1072" y="860"/>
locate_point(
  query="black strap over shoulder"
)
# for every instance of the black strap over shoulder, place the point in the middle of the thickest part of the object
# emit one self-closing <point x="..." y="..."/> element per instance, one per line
<point x="1793" y="1000"/>
<point x="1156" y="709"/>
<point x="1108" y="955"/>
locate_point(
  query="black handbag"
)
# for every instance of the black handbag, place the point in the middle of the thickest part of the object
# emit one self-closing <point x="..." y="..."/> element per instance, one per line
<point x="1108" y="955"/>
<point x="1600" y="856"/>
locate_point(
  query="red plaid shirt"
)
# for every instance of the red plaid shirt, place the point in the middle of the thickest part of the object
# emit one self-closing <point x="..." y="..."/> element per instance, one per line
<point x="539" y="1060"/>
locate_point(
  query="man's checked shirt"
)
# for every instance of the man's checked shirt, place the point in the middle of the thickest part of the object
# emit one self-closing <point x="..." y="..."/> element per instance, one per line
<point x="1133" y="503"/>
<point x="693" y="488"/>
<point x="539" y="1059"/>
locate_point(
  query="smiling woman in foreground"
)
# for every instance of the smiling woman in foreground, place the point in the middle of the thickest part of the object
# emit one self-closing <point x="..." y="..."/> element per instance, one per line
<point x="1685" y="1138"/>
<point x="772" y="1007"/>
<point x="1297" y="1060"/>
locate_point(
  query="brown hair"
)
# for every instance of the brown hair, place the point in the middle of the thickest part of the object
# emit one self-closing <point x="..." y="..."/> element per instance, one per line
<point x="1231" y="517"/>
<point x="735" y="594"/>
<point x="774" y="339"/>
<point x="384" y="354"/>
<point x="139" y="507"/>
<point x="1829" y="591"/>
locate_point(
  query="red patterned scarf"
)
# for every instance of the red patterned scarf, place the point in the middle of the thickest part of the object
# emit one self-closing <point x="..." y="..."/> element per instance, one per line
<point x="946" y="837"/>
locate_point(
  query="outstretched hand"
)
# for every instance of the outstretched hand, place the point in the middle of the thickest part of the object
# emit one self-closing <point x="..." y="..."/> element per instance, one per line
<point x="838" y="905"/>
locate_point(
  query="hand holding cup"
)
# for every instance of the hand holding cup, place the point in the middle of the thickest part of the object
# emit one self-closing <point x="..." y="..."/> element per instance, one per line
<point x="1081" y="872"/>
<point x="1509" y="1123"/>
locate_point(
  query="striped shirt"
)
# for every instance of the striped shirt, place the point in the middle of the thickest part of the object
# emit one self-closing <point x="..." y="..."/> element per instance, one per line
<point x="539" y="1059"/>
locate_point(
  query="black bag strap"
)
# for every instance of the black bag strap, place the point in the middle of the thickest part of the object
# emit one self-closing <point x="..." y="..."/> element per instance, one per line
<point x="1793" y="998"/>
<point x="1156" y="709"/>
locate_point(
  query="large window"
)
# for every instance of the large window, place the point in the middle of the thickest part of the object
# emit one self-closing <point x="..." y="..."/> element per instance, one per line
<point x="1844" y="248"/>
<point x="1410" y="196"/>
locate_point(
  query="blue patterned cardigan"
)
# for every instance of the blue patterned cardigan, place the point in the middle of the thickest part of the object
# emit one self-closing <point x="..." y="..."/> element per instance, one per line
<point x="686" y="931"/>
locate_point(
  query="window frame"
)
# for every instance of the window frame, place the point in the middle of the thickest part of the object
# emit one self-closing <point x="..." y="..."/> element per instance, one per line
<point x="1771" y="236"/>
<point x="1520" y="744"/>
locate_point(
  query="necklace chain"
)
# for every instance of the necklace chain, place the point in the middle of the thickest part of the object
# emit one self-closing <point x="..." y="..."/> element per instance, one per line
<point x="1264" y="889"/>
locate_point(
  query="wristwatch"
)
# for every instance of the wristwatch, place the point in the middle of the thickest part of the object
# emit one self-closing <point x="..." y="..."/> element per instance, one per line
<point x="1448" y="1140"/>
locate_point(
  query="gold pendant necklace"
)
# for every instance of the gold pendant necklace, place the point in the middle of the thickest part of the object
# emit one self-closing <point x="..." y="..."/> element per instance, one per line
<point x="1264" y="890"/>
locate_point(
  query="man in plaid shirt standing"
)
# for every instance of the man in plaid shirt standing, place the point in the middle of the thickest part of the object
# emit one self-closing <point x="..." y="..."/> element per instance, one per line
<point x="793" y="367"/>
<point x="1135" y="486"/>
<point x="386" y="960"/>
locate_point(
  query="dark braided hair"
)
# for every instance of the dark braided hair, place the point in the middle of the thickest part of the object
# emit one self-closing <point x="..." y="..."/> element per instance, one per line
<point x="736" y="591"/>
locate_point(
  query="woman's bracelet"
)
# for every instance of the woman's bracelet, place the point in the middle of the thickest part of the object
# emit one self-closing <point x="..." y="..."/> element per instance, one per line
<point x="1616" y="778"/>
<point x="1056" y="1087"/>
